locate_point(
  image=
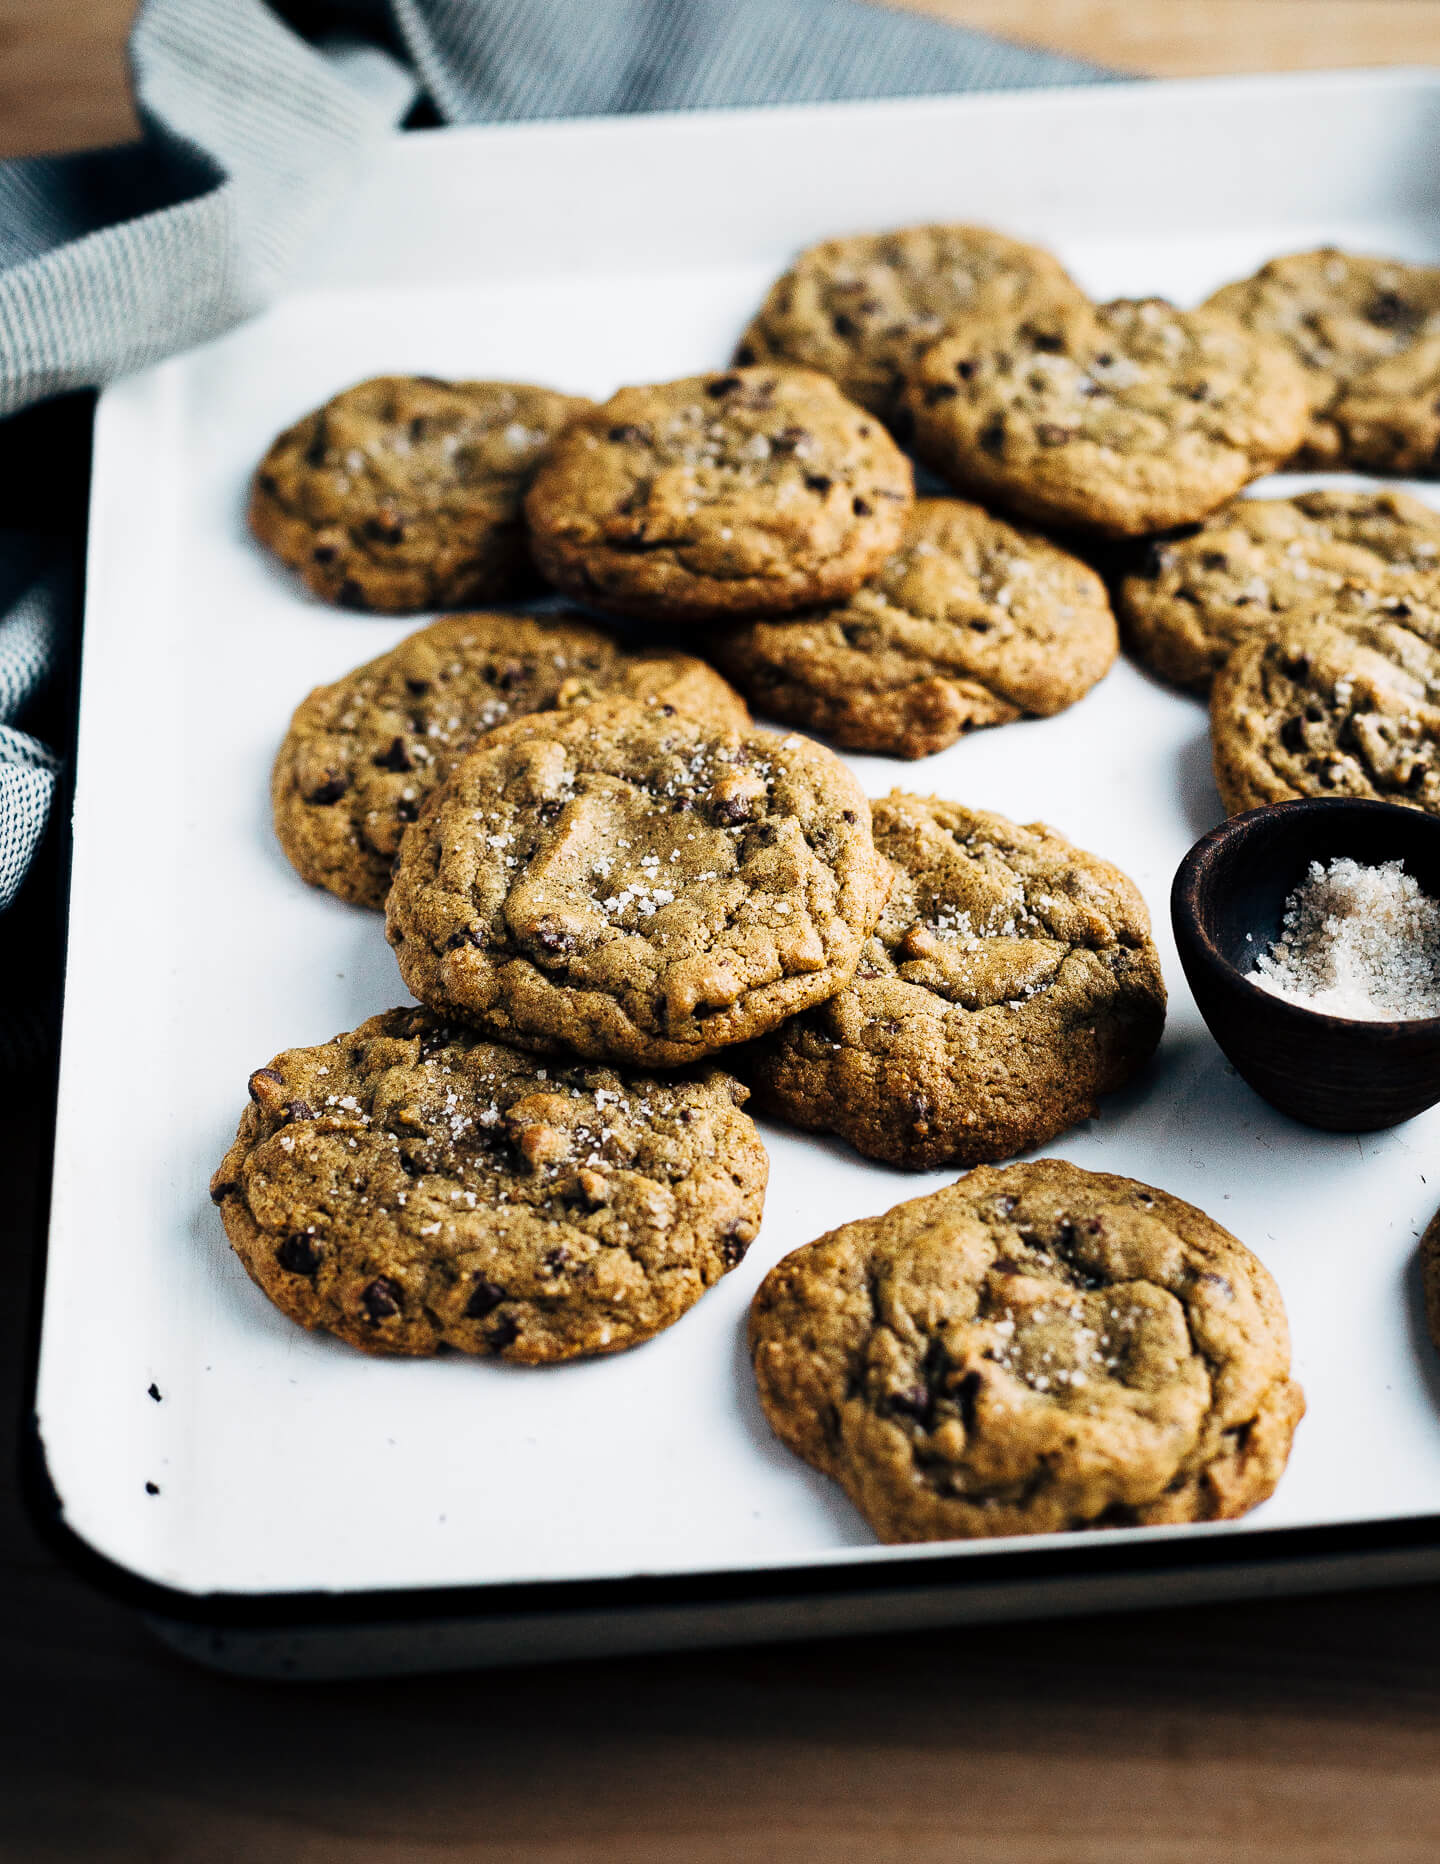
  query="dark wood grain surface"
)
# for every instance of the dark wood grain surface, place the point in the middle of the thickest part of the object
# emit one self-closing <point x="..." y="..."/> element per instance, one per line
<point x="1299" y="1732"/>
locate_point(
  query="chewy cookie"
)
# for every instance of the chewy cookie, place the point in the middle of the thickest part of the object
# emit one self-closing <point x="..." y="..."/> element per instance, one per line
<point x="1430" y="1276"/>
<point x="861" y="309"/>
<point x="752" y="492"/>
<point x="409" y="1187"/>
<point x="1011" y="979"/>
<point x="1259" y="562"/>
<point x="1031" y="1350"/>
<point x="405" y="492"/>
<point x="1366" y="332"/>
<point x="635" y="887"/>
<point x="1328" y="709"/>
<point x="971" y="622"/>
<point x="362" y="755"/>
<point x="1122" y="418"/>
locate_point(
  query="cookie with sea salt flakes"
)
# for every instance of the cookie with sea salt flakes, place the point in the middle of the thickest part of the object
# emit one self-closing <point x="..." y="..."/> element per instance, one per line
<point x="861" y="309"/>
<point x="633" y="887"/>
<point x="409" y="1187"/>
<point x="1010" y="981"/>
<point x="1430" y="1275"/>
<point x="405" y="492"/>
<point x="362" y="754"/>
<point x="1120" y="418"/>
<point x="970" y="623"/>
<point x="1259" y="562"/>
<point x="1366" y="332"/>
<point x="1328" y="708"/>
<point x="753" y="492"/>
<point x="1032" y="1350"/>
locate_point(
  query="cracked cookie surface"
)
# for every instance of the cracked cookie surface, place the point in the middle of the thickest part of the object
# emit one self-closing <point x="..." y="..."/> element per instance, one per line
<point x="1121" y="418"/>
<point x="970" y="623"/>
<point x="1034" y="1349"/>
<point x="406" y="492"/>
<point x="750" y="492"/>
<point x="1366" y="332"/>
<point x="634" y="887"/>
<point x="409" y="1187"/>
<point x="862" y="308"/>
<point x="1011" y="979"/>
<point x="1259" y="562"/>
<point x="1329" y="709"/>
<point x="363" y="753"/>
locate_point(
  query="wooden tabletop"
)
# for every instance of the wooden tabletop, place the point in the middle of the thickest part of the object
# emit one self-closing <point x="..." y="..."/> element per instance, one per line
<point x="1297" y="1732"/>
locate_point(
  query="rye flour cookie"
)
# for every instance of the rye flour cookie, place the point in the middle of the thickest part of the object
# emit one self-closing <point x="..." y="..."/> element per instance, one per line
<point x="1389" y="418"/>
<point x="752" y="492"/>
<point x="635" y="887"/>
<point x="405" y="492"/>
<point x="411" y="1187"/>
<point x="1366" y="332"/>
<point x="1011" y="980"/>
<point x="362" y="754"/>
<point x="1260" y="562"/>
<point x="861" y="309"/>
<point x="1032" y="1350"/>
<point x="1430" y="1276"/>
<point x="1328" y="709"/>
<point x="1121" y="418"/>
<point x="970" y="623"/>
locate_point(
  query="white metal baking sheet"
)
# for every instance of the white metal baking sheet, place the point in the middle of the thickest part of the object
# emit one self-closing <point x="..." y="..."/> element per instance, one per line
<point x="588" y="255"/>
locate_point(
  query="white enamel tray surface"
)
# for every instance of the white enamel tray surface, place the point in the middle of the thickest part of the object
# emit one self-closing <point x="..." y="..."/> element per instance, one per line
<point x="588" y="255"/>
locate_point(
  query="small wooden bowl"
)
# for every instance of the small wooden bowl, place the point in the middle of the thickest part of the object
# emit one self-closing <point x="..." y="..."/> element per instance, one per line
<point x="1329" y="1071"/>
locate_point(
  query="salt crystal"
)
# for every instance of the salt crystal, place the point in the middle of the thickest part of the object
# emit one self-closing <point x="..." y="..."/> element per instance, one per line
<point x="1357" y="941"/>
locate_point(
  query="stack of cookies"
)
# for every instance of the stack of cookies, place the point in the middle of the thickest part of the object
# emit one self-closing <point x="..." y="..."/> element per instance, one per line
<point x="625" y="908"/>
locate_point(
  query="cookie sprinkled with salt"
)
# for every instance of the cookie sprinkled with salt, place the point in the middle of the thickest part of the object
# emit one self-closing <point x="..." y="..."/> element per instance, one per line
<point x="453" y="1194"/>
<point x="670" y="885"/>
<point x="1357" y="941"/>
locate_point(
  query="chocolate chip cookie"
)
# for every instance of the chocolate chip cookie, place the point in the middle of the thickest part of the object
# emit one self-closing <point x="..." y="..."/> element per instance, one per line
<point x="362" y="755"/>
<point x="970" y="623"/>
<point x="1430" y="1275"/>
<point x="1032" y="1350"/>
<point x="1366" y="332"/>
<point x="1121" y="418"/>
<point x="861" y="309"/>
<point x="752" y="492"/>
<point x="1259" y="562"/>
<point x="405" y="492"/>
<point x="635" y="887"/>
<point x="410" y="1187"/>
<point x="1328" y="709"/>
<point x="1011" y="980"/>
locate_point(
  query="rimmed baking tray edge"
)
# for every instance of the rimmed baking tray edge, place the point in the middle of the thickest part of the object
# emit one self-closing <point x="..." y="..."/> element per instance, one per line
<point x="323" y="1633"/>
